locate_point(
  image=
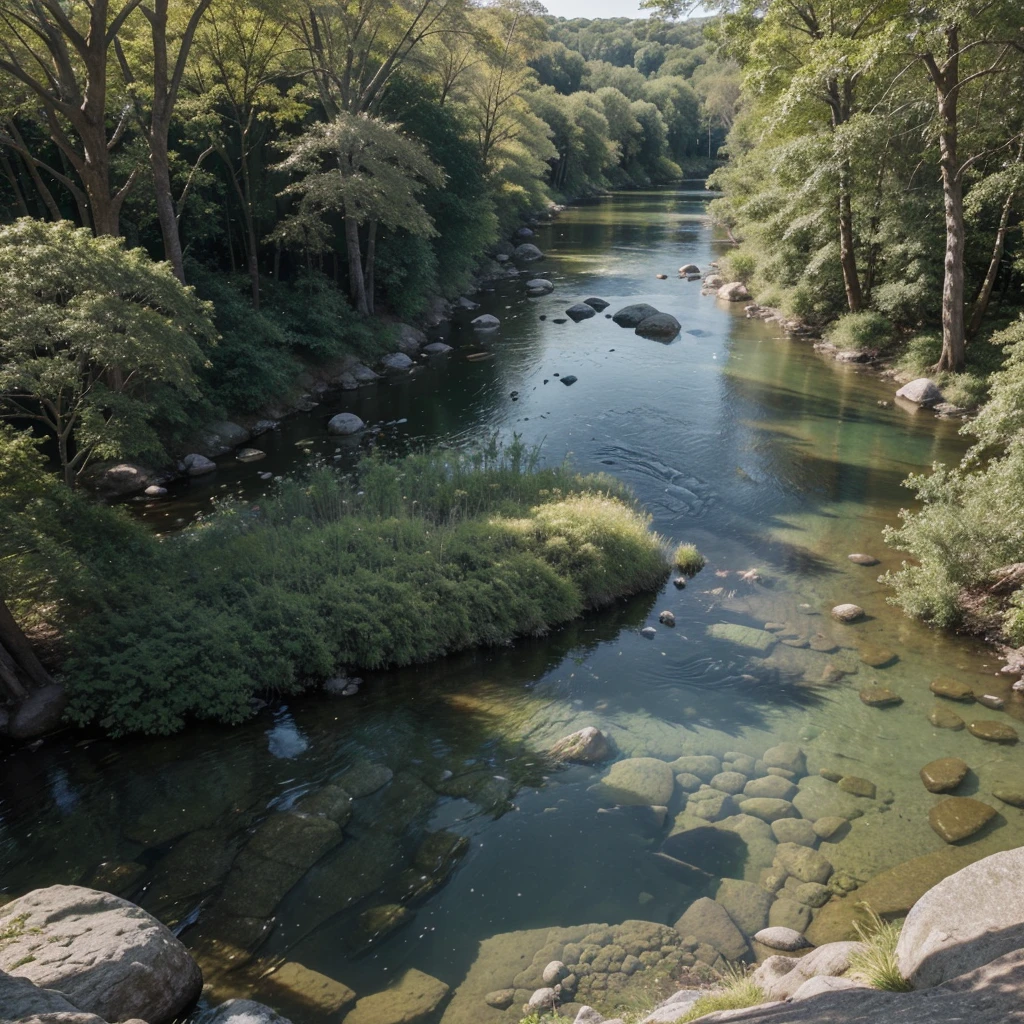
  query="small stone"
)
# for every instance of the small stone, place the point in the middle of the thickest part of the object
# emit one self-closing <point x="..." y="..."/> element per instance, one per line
<point x="787" y="913"/>
<point x="569" y="379"/>
<point x="649" y="632"/>
<point x="860" y="559"/>
<point x="951" y="689"/>
<point x="786" y="939"/>
<point x="786" y="755"/>
<point x="580" y="311"/>
<point x="729" y="782"/>
<point x="944" y="774"/>
<point x="667" y="618"/>
<point x="771" y="786"/>
<point x="803" y="863"/>
<point x="943" y="718"/>
<point x="830" y="774"/>
<point x="880" y="697"/>
<point x="155" y="491"/>
<point x="679" y="583"/>
<point x="958" y="817"/>
<point x="542" y="999"/>
<point x="990" y="700"/>
<point x="829" y="826"/>
<point x="877" y="657"/>
<point x="769" y="810"/>
<point x="688" y="783"/>
<point x="857" y="786"/>
<point x="794" y="830"/>
<point x="250" y="455"/>
<point x="1013" y="795"/>
<point x="847" y="612"/>
<point x="994" y="732"/>
<point x="345" y="423"/>
<point x="500" y="999"/>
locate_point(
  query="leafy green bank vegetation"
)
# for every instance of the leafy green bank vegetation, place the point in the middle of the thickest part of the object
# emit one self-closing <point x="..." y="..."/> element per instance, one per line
<point x="404" y="563"/>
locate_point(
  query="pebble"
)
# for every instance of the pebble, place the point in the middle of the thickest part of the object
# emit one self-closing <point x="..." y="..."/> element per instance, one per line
<point x="990" y="700"/>
<point x="666" y="618"/>
<point x="554" y="972"/>
<point x="880" y="697"/>
<point x="569" y="379"/>
<point x="729" y="782"/>
<point x="827" y="827"/>
<point x="679" y="583"/>
<point x="649" y="631"/>
<point x="861" y="559"/>
<point x="786" y="939"/>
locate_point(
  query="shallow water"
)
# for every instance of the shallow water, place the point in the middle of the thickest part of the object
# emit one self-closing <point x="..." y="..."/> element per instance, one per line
<point x="764" y="454"/>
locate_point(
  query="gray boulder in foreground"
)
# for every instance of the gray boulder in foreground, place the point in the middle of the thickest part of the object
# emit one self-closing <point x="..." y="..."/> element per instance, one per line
<point x="662" y="326"/>
<point x="921" y="391"/>
<point x="634" y="314"/>
<point x="104" y="955"/>
<point x="967" y="920"/>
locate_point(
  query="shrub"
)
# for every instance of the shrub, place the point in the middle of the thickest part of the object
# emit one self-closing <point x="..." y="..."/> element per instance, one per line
<point x="866" y="329"/>
<point x="407" y="562"/>
<point x="920" y="354"/>
<point x="686" y="558"/>
<point x="876" y="961"/>
<point x="739" y="265"/>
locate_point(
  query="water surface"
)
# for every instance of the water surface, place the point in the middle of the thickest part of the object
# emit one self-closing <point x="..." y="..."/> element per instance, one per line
<point x="766" y="455"/>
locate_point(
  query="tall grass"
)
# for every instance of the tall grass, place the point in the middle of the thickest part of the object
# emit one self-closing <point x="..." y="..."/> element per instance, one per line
<point x="402" y="563"/>
<point x="736" y="991"/>
<point x="877" y="960"/>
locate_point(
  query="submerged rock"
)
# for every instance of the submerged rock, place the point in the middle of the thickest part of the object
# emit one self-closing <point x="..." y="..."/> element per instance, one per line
<point x="847" y="612"/>
<point x="638" y="781"/>
<point x="539" y="286"/>
<point x="944" y="774"/>
<point x="768" y="809"/>
<point x="412" y="998"/>
<point x="787" y="756"/>
<point x="994" y="732"/>
<point x="803" y="863"/>
<point x="862" y="559"/>
<point x="486" y="322"/>
<point x="746" y="903"/>
<point x="244" y="1011"/>
<point x="708" y="921"/>
<point x="704" y="766"/>
<point x="856" y="786"/>
<point x="958" y="817"/>
<point x="527" y="252"/>
<point x="598" y="304"/>
<point x="943" y="718"/>
<point x="580" y="311"/>
<point x="952" y="689"/>
<point x="880" y="697"/>
<point x="744" y="636"/>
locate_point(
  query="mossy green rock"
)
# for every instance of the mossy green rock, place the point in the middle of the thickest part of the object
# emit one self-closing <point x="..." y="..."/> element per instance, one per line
<point x="944" y="774"/>
<point x="994" y="732"/>
<point x="1013" y="795"/>
<point x="880" y="697"/>
<point x="877" y="657"/>
<point x="708" y="921"/>
<point x="711" y="804"/>
<point x="959" y="817"/>
<point x="412" y="998"/>
<point x="951" y="689"/>
<point x="758" y="640"/>
<point x="636" y="782"/>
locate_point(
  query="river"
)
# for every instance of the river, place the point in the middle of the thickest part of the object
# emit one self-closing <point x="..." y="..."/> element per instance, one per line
<point x="765" y="454"/>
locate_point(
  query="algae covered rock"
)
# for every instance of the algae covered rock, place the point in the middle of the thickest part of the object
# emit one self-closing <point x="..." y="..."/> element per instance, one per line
<point x="952" y="689"/>
<point x="994" y="732"/>
<point x="412" y="998"/>
<point x="704" y="766"/>
<point x="709" y="922"/>
<point x="803" y="863"/>
<point x="787" y="756"/>
<point x="959" y="817"/>
<point x="944" y="774"/>
<point x="943" y="718"/>
<point x="746" y="903"/>
<point x="586" y="746"/>
<point x="758" y="640"/>
<point x="795" y="830"/>
<point x="638" y="781"/>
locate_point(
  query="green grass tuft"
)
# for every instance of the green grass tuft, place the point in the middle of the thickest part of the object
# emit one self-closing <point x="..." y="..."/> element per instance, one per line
<point x="687" y="559"/>
<point x="737" y="991"/>
<point x="877" y="960"/>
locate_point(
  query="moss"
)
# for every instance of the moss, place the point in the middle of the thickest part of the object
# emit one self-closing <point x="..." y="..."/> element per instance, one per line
<point x="13" y="929"/>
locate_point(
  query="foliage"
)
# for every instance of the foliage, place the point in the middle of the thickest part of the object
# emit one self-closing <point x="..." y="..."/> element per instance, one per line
<point x="97" y="342"/>
<point x="409" y="561"/>
<point x="860" y="330"/>
<point x="686" y="558"/>
<point x="876" y="960"/>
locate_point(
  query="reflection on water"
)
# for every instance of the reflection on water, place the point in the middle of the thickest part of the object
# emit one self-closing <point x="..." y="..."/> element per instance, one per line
<point x="768" y="457"/>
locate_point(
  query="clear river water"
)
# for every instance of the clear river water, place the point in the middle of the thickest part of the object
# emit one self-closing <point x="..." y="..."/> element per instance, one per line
<point x="766" y="455"/>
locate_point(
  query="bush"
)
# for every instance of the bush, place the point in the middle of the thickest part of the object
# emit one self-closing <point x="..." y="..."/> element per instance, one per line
<point x="876" y="961"/>
<point x="862" y="330"/>
<point x="739" y="265"/>
<point x="409" y="561"/>
<point x="686" y="558"/>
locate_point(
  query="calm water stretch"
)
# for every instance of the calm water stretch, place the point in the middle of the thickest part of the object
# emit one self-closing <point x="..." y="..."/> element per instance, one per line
<point x="766" y="455"/>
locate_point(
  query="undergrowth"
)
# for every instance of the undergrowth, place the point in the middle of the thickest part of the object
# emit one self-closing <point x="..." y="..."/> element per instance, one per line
<point x="402" y="563"/>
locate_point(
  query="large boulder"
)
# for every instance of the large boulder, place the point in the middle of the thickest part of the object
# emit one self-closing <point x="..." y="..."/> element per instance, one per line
<point x="660" y="326"/>
<point x="634" y="314"/>
<point x="486" y="322"/>
<point x="968" y="919"/>
<point x="921" y="391"/>
<point x="746" y="903"/>
<point x="198" y="465"/>
<point x="345" y="423"/>
<point x="221" y="437"/>
<point x="735" y="291"/>
<point x="638" y="782"/>
<point x="117" y="479"/>
<point x="539" y="286"/>
<point x="103" y="954"/>
<point x="396" y="362"/>
<point x="780" y="976"/>
<point x="408" y="339"/>
<point x="527" y="252"/>
<point x="580" y="311"/>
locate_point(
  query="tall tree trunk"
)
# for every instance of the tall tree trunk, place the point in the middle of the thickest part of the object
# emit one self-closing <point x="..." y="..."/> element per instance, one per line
<point x="847" y="254"/>
<point x="356" y="281"/>
<point x="19" y="197"/>
<point x="981" y="304"/>
<point x="17" y="659"/>
<point x="371" y="263"/>
<point x="947" y="87"/>
<point x="159" y="161"/>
